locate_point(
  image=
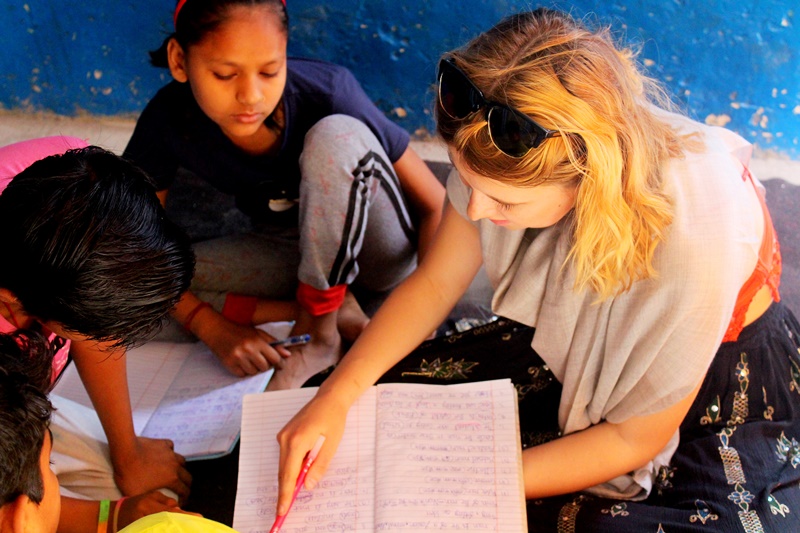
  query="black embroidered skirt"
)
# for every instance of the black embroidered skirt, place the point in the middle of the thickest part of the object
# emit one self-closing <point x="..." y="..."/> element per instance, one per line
<point x="737" y="468"/>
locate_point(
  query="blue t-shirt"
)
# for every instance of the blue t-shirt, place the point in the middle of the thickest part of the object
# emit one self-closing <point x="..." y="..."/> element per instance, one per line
<point x="173" y="132"/>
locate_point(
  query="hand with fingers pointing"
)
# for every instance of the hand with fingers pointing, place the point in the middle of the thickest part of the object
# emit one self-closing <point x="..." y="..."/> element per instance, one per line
<point x="300" y="436"/>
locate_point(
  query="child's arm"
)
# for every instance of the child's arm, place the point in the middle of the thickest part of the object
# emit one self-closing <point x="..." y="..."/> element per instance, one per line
<point x="244" y="350"/>
<point x="80" y="516"/>
<point x="425" y="193"/>
<point x="599" y="453"/>
<point x="140" y="464"/>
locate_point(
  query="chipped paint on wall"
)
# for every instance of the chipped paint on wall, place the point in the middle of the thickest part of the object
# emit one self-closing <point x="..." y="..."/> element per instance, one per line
<point x="717" y="120"/>
<point x="729" y="63"/>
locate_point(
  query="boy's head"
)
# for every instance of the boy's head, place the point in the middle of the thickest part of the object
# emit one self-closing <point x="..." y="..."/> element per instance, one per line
<point x="87" y="247"/>
<point x="29" y="494"/>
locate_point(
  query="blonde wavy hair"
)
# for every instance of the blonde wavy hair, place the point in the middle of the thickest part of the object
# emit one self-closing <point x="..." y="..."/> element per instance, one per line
<point x="612" y="146"/>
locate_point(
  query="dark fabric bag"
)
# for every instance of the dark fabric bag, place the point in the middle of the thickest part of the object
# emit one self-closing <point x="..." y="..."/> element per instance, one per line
<point x="497" y="350"/>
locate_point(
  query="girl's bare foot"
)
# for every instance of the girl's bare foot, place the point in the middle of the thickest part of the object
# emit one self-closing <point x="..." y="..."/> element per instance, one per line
<point x="351" y="319"/>
<point x="305" y="362"/>
<point x="328" y="332"/>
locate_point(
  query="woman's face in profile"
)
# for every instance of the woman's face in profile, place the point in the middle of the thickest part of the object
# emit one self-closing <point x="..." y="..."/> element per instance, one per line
<point x="514" y="207"/>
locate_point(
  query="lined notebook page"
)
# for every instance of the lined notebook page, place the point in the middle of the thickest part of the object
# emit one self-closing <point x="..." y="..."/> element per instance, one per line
<point x="448" y="458"/>
<point x="181" y="391"/>
<point x="151" y="369"/>
<point x="344" y="499"/>
<point x="201" y="411"/>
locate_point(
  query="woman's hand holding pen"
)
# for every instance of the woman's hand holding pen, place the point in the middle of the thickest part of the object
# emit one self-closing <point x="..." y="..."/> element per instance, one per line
<point x="324" y="415"/>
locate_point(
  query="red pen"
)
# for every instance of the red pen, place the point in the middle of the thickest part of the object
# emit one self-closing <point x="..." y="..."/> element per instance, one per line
<point x="307" y="462"/>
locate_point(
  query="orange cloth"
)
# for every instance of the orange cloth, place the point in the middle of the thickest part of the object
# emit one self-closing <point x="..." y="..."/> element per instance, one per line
<point x="319" y="302"/>
<point x="767" y="272"/>
<point x="239" y="308"/>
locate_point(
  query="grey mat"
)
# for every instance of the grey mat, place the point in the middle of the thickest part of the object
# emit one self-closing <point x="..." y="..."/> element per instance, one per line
<point x="206" y="213"/>
<point x="783" y="200"/>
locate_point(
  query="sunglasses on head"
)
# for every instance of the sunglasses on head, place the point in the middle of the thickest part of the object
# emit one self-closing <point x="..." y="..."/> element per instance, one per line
<point x="512" y="132"/>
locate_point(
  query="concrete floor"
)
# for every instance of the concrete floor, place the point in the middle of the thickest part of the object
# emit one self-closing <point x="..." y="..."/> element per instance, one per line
<point x="113" y="133"/>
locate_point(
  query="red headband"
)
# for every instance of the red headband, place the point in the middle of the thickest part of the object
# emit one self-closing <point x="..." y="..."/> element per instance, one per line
<point x="180" y="6"/>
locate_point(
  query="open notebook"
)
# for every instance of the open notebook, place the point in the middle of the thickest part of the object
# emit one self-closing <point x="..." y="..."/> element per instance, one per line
<point x="181" y="391"/>
<point x="413" y="458"/>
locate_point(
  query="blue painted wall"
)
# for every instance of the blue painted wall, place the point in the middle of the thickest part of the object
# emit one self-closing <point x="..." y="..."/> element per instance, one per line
<point x="731" y="62"/>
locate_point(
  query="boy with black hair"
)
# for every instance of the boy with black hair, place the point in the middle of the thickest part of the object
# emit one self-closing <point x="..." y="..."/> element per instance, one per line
<point x="90" y="260"/>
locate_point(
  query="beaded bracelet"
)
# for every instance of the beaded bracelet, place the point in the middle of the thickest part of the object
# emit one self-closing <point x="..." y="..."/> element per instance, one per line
<point x="199" y="307"/>
<point x="102" y="517"/>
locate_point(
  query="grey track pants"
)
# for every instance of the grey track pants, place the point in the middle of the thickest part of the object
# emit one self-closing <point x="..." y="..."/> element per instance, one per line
<point x="355" y="227"/>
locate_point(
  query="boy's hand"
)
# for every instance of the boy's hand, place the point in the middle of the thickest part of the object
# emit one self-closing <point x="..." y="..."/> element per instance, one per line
<point x="153" y="465"/>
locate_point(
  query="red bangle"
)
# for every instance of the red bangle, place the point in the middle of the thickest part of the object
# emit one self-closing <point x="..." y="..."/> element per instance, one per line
<point x="199" y="307"/>
<point x="117" y="507"/>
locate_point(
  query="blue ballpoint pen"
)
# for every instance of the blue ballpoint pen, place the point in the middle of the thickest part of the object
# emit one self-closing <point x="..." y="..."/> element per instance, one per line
<point x="295" y="340"/>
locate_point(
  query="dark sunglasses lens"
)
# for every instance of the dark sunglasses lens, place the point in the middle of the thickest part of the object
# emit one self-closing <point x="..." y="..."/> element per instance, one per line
<point x="456" y="94"/>
<point x="512" y="133"/>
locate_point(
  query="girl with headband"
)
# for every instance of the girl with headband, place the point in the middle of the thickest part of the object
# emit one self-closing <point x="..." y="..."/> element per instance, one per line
<point x="336" y="197"/>
<point x="640" y="247"/>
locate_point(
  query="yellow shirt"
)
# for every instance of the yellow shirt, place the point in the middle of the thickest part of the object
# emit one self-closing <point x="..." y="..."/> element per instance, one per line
<point x="175" y="523"/>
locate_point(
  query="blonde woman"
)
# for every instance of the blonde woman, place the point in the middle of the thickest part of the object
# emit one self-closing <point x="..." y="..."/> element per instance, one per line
<point x="639" y="246"/>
